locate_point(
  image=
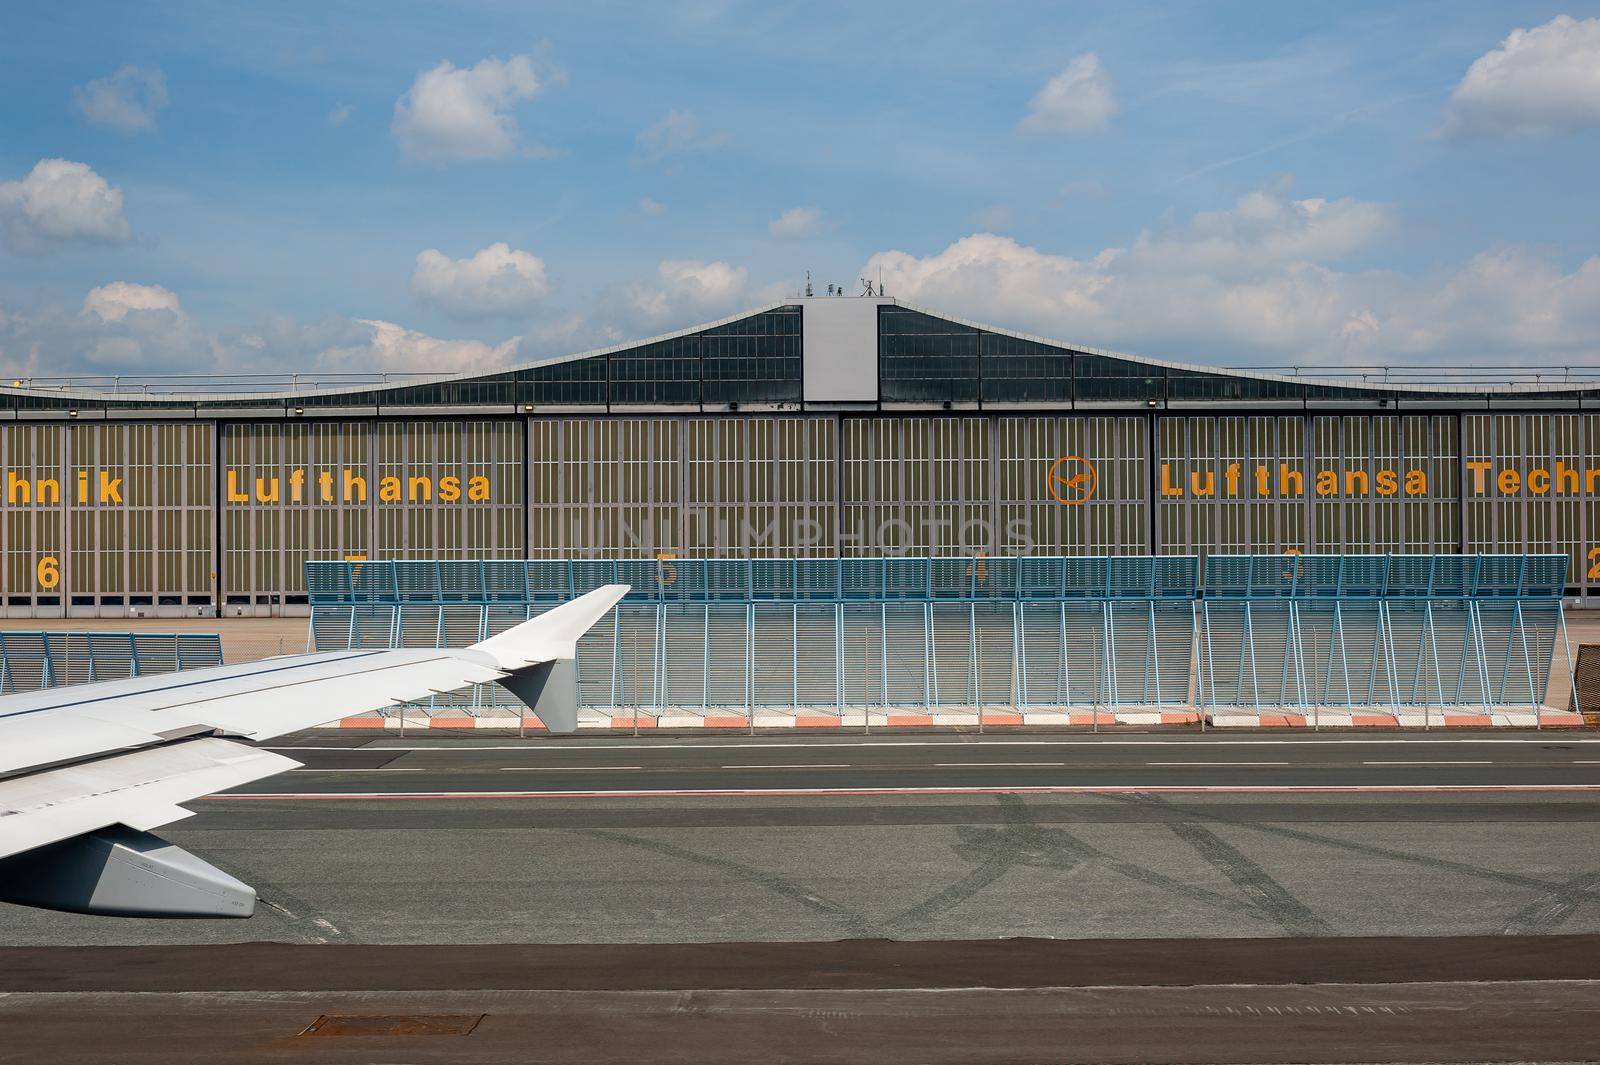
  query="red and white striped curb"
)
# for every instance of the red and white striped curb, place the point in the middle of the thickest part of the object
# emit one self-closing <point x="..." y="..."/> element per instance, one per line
<point x="997" y="719"/>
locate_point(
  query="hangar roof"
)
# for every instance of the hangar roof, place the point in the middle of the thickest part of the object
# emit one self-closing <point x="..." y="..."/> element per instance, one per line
<point x="814" y="353"/>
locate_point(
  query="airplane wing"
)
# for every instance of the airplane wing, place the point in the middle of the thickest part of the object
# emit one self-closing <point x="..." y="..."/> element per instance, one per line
<point x="86" y="771"/>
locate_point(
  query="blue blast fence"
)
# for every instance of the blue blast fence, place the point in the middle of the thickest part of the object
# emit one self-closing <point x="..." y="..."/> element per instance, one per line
<point x="940" y="636"/>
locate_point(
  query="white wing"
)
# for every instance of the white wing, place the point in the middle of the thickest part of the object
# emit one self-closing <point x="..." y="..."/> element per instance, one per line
<point x="87" y="757"/>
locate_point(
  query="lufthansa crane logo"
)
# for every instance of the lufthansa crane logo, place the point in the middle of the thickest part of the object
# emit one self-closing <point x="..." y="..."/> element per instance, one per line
<point x="1072" y="480"/>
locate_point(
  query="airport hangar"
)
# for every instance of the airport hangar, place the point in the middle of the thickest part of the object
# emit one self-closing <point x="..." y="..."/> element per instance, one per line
<point x="815" y="427"/>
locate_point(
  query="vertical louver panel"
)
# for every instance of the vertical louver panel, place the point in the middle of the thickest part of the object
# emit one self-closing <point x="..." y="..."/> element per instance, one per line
<point x="862" y="645"/>
<point x="683" y="654"/>
<point x="908" y="682"/>
<point x="728" y="671"/>
<point x="773" y="653"/>
<point x="817" y="655"/>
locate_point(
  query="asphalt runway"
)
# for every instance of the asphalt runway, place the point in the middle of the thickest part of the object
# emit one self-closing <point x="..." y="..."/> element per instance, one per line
<point x="1317" y="1000"/>
<point x="891" y="763"/>
<point x="478" y="841"/>
<point x="727" y="899"/>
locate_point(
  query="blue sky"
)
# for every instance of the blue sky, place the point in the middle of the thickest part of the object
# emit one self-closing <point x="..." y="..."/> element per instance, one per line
<point x="302" y="186"/>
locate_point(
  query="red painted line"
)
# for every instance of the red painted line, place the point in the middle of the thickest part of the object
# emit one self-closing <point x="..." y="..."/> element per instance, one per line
<point x="1109" y="789"/>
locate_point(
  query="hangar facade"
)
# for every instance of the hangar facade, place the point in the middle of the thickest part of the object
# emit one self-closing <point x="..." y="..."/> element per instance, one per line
<point x="851" y="427"/>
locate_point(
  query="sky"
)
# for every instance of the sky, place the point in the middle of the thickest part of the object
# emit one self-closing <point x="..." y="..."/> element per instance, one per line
<point x="340" y="186"/>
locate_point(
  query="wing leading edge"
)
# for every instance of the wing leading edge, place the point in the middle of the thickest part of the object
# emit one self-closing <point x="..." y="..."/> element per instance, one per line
<point x="78" y="759"/>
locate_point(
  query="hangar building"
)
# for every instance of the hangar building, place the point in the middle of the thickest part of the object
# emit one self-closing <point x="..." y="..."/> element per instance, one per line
<point x="815" y="427"/>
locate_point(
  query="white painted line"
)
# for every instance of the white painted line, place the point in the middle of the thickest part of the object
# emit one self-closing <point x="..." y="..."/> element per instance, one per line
<point x="992" y="765"/>
<point x="567" y="768"/>
<point x="1216" y="763"/>
<point x="1032" y="789"/>
<point x="380" y="769"/>
<point x="793" y="765"/>
<point x="1428" y="763"/>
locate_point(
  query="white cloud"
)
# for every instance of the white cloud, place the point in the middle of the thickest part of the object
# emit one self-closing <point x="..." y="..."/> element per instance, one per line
<point x="1260" y="281"/>
<point x="126" y="101"/>
<point x="1539" y="82"/>
<point x="389" y="346"/>
<point x="341" y="114"/>
<point x="113" y="302"/>
<point x="1264" y="227"/>
<point x="452" y="114"/>
<point x="649" y="208"/>
<point x="1076" y="101"/>
<point x="498" y="280"/>
<point x="995" y="277"/>
<point x="125" y="328"/>
<point x="795" y="223"/>
<point x="119" y="328"/>
<point x="688" y="286"/>
<point x="60" y="203"/>
<point x="677" y="133"/>
<point x="702" y="283"/>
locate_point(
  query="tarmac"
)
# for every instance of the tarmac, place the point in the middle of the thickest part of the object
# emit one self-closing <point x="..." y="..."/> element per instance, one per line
<point x="689" y="840"/>
<point x="1318" y="1000"/>
<point x="904" y="897"/>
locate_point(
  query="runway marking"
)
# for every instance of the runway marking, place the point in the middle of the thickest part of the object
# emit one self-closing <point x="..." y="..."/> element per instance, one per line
<point x="378" y="769"/>
<point x="992" y="765"/>
<point x="1031" y="789"/>
<point x="793" y="765"/>
<point x="1217" y="763"/>
<point x="566" y="768"/>
<point x="1428" y="763"/>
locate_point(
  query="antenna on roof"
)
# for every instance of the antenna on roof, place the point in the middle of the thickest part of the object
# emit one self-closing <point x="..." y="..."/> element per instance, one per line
<point x="880" y="281"/>
<point x="808" y="282"/>
<point x="867" y="286"/>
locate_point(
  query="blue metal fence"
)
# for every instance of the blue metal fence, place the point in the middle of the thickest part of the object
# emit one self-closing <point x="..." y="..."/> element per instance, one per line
<point x="30" y="661"/>
<point x="1307" y="632"/>
<point x="942" y="636"/>
<point x="713" y="580"/>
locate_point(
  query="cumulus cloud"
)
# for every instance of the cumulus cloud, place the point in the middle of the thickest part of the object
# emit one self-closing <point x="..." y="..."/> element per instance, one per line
<point x="795" y="223"/>
<point x="113" y="302"/>
<point x="454" y="114"/>
<point x="1077" y="101"/>
<point x="60" y="203"/>
<point x="688" y="285"/>
<point x="1539" y="82"/>
<point x="1262" y="281"/>
<point x="677" y="133"/>
<point x="498" y="280"/>
<point x="388" y="346"/>
<point x="126" y="101"/>
<point x="126" y="328"/>
<point x="1264" y="227"/>
<point x="120" y="327"/>
<point x="354" y="345"/>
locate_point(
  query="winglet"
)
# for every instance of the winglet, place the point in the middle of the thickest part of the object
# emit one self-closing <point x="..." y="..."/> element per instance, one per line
<point x="538" y="656"/>
<point x="553" y="634"/>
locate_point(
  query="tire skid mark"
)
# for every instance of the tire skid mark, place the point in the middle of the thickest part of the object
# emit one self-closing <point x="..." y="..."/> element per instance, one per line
<point x="1549" y="911"/>
<point x="854" y="923"/>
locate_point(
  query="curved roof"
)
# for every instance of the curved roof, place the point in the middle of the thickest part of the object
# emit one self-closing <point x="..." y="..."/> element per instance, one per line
<point x="218" y="394"/>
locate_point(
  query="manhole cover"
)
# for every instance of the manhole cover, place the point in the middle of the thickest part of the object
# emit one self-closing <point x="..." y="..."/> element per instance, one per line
<point x="395" y="1024"/>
